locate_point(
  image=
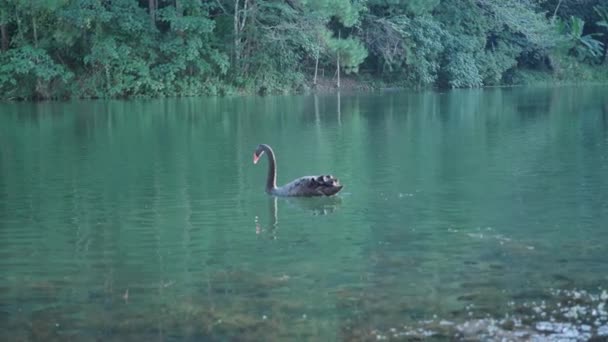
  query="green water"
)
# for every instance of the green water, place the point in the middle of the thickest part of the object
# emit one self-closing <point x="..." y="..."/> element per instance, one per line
<point x="146" y="219"/>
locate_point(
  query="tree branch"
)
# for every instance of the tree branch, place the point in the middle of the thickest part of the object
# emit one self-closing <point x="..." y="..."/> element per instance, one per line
<point x="556" y="8"/>
<point x="244" y="16"/>
<point x="219" y="4"/>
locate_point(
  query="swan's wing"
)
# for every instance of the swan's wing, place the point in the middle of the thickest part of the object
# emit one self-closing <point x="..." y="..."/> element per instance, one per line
<point x="306" y="184"/>
<point x="327" y="180"/>
<point x="324" y="185"/>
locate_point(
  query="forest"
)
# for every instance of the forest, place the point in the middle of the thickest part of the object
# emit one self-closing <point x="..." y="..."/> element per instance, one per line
<point x="59" y="49"/>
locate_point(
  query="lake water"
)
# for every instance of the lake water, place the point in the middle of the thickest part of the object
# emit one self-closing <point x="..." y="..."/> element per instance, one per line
<point x="479" y="214"/>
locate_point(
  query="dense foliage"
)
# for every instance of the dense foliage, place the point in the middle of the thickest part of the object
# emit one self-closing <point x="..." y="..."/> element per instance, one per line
<point x="120" y="48"/>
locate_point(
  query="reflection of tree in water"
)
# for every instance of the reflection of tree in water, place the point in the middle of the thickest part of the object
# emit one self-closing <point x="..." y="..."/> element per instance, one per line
<point x="605" y="116"/>
<point x="109" y="217"/>
<point x="474" y="132"/>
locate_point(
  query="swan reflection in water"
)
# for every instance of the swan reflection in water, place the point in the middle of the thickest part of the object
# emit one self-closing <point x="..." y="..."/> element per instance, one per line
<point x="316" y="206"/>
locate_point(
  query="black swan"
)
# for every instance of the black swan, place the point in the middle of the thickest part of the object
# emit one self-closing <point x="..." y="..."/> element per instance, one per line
<point x="307" y="186"/>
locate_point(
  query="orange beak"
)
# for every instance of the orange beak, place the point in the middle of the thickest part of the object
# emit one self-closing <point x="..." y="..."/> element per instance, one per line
<point x="255" y="158"/>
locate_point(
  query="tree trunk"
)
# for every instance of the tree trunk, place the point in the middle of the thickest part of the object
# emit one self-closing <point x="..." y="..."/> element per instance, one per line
<point x="40" y="88"/>
<point x="338" y="68"/>
<point x="152" y="11"/>
<point x="240" y="19"/>
<point x="236" y="35"/>
<point x="35" y="28"/>
<point x="18" y="21"/>
<point x="4" y="33"/>
<point x="316" y="70"/>
<point x="179" y="12"/>
<point x="338" y="62"/>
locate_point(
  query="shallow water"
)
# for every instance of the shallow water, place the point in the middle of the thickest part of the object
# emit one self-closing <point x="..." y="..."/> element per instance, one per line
<point x="478" y="214"/>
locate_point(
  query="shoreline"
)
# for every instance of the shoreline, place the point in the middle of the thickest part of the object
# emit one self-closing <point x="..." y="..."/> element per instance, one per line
<point x="324" y="86"/>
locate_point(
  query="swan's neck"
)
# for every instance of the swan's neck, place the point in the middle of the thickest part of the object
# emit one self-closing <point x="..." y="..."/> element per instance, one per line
<point x="271" y="180"/>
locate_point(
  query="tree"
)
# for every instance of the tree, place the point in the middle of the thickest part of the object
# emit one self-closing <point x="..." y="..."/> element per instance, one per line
<point x="602" y="12"/>
<point x="187" y="56"/>
<point x="339" y="16"/>
<point x="582" y="45"/>
<point x="4" y="21"/>
<point x="122" y="48"/>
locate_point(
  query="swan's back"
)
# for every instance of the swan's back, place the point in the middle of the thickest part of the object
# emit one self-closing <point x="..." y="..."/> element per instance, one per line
<point x="325" y="185"/>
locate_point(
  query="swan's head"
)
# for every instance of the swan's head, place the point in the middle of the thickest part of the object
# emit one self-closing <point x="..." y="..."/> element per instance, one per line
<point x="256" y="156"/>
<point x="259" y="151"/>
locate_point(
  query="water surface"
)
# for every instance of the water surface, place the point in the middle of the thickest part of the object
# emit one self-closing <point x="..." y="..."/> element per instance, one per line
<point x="465" y="214"/>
